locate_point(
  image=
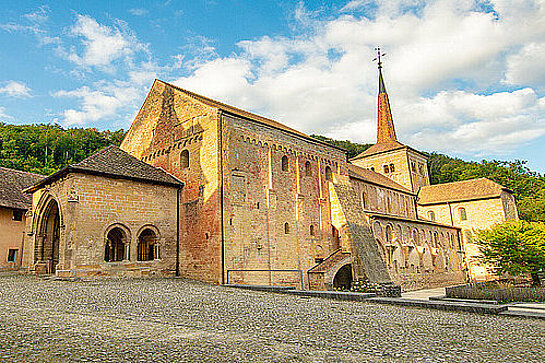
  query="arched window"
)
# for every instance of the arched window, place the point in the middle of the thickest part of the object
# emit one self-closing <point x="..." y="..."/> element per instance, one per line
<point x="286" y="228"/>
<point x="372" y="168"/>
<point x="389" y="204"/>
<point x="392" y="168"/>
<point x="386" y="169"/>
<point x="388" y="234"/>
<point x="463" y="214"/>
<point x="364" y="200"/>
<point x="184" y="159"/>
<point x="147" y="248"/>
<point x="431" y="215"/>
<point x="115" y="245"/>
<point x="435" y="240"/>
<point x="415" y="237"/>
<point x="328" y="174"/>
<point x="308" y="169"/>
<point x="311" y="231"/>
<point x="284" y="163"/>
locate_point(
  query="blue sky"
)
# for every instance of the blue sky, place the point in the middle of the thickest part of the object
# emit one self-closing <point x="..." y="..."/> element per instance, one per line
<point x="464" y="77"/>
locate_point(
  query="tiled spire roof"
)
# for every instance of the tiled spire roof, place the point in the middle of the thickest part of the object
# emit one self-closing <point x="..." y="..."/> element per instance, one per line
<point x="385" y="130"/>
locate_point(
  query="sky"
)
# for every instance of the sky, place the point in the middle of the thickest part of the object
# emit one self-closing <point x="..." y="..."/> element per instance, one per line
<point x="465" y="78"/>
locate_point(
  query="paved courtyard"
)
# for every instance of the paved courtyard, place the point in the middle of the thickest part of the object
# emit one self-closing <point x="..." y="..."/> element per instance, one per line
<point x="179" y="320"/>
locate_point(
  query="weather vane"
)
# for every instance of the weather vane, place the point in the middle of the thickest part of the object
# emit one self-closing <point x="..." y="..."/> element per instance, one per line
<point x="379" y="55"/>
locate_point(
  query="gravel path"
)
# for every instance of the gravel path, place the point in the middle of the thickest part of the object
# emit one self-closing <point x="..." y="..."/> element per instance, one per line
<point x="171" y="320"/>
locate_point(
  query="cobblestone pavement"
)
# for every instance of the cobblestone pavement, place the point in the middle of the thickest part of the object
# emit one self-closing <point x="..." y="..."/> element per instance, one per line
<point x="178" y="320"/>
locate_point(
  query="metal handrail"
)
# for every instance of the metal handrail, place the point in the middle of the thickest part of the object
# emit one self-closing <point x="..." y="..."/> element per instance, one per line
<point x="243" y="270"/>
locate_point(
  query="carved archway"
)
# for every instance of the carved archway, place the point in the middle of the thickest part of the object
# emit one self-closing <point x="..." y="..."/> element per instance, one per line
<point x="343" y="278"/>
<point x="48" y="228"/>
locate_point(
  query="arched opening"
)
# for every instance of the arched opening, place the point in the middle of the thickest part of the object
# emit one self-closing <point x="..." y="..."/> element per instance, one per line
<point x="392" y="168"/>
<point x="311" y="231"/>
<point x="386" y="169"/>
<point x="431" y="215"/>
<point x="389" y="234"/>
<point x="184" y="159"/>
<point x="308" y="169"/>
<point x="115" y="249"/>
<point x="147" y="245"/>
<point x="336" y="239"/>
<point x="285" y="165"/>
<point x="328" y="174"/>
<point x="364" y="200"/>
<point x="48" y="243"/>
<point x="343" y="278"/>
<point x="286" y="228"/>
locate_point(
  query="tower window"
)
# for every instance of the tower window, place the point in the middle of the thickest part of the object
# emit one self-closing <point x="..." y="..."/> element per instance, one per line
<point x="413" y="167"/>
<point x="284" y="163"/>
<point x="184" y="159"/>
<point x="386" y="169"/>
<point x="328" y="174"/>
<point x="431" y="215"/>
<point x="364" y="200"/>
<point x="392" y="168"/>
<point x="463" y="214"/>
<point x="308" y="169"/>
<point x="286" y="228"/>
<point x="311" y="230"/>
<point x="372" y="168"/>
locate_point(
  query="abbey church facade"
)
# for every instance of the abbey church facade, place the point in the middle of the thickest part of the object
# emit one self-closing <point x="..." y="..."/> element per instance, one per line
<point x="210" y="192"/>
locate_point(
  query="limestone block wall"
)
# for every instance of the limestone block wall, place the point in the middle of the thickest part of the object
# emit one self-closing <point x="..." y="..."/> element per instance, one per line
<point x="479" y="214"/>
<point x="90" y="206"/>
<point x="11" y="238"/>
<point x="179" y="133"/>
<point x="379" y="199"/>
<point x="419" y="254"/>
<point x="276" y="202"/>
<point x="410" y="167"/>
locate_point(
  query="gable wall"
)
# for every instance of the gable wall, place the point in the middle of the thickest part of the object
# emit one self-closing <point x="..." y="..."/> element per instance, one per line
<point x="169" y="123"/>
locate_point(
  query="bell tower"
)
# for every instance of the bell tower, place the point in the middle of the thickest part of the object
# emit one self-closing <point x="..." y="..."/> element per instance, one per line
<point x="389" y="157"/>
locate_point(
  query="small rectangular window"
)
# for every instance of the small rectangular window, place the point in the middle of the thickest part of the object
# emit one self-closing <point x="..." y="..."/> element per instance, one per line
<point x="12" y="253"/>
<point x="17" y="215"/>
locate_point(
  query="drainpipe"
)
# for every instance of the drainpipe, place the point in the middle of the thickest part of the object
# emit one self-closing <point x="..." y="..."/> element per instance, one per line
<point x="220" y="146"/>
<point x="178" y="192"/>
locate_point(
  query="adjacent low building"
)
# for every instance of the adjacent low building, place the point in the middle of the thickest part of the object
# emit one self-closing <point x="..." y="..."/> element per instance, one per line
<point x="13" y="207"/>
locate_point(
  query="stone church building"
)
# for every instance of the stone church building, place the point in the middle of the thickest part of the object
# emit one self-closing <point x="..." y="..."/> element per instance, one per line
<point x="211" y="192"/>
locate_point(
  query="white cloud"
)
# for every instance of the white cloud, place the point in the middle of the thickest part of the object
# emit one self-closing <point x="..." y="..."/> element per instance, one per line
<point x="138" y="11"/>
<point x="15" y="89"/>
<point x="440" y="55"/>
<point x="103" y="45"/>
<point x="4" y="115"/>
<point x="105" y="101"/>
<point x="526" y="66"/>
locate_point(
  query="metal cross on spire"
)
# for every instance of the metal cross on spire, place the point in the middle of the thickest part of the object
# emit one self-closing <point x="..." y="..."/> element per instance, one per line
<point x="378" y="58"/>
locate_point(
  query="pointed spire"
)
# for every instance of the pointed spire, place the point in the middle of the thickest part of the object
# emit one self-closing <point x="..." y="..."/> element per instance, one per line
<point x="385" y="130"/>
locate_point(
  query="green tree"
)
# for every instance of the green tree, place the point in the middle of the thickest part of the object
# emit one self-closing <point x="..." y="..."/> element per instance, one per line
<point x="515" y="247"/>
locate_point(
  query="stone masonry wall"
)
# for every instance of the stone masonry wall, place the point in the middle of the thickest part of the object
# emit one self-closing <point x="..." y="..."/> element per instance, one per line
<point x="419" y="254"/>
<point x="275" y="218"/>
<point x="90" y="206"/>
<point x="410" y="168"/>
<point x="383" y="200"/>
<point x="480" y="214"/>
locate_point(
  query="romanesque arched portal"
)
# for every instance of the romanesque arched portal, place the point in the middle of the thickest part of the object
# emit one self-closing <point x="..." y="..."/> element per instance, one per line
<point x="47" y="246"/>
